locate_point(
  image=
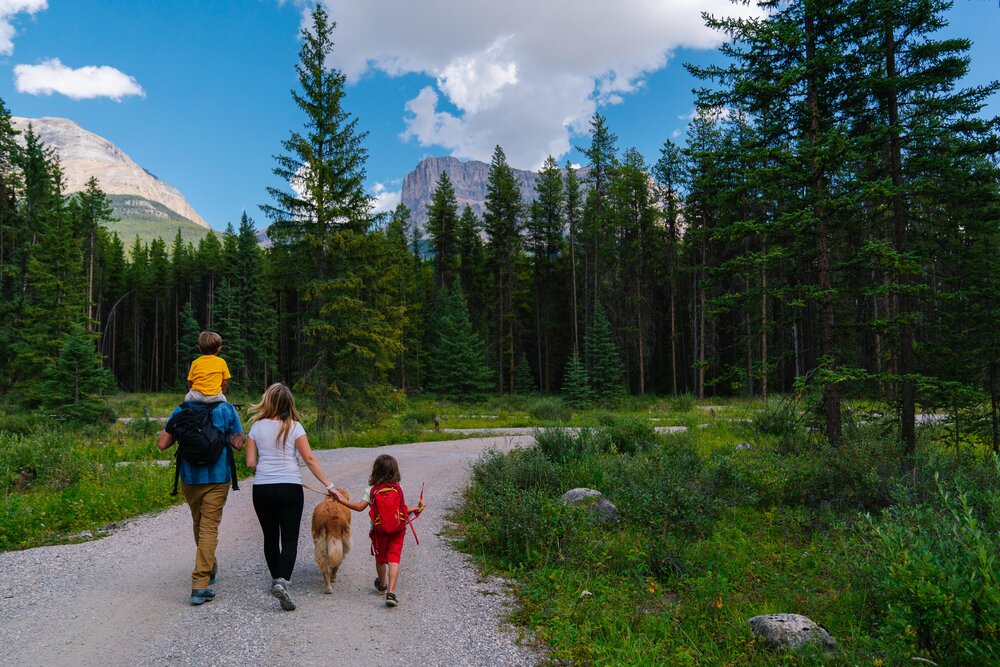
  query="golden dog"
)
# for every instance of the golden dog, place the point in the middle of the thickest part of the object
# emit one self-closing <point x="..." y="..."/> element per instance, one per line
<point x="331" y="530"/>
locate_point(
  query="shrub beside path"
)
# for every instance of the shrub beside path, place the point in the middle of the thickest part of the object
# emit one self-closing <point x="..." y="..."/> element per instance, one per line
<point x="123" y="600"/>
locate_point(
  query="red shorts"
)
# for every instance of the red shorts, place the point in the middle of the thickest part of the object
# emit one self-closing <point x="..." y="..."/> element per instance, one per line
<point x="387" y="548"/>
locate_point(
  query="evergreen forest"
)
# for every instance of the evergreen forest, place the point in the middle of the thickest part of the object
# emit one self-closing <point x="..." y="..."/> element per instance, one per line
<point x="828" y="229"/>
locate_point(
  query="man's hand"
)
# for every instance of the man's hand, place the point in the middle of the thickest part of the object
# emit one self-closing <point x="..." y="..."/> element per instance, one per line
<point x="164" y="440"/>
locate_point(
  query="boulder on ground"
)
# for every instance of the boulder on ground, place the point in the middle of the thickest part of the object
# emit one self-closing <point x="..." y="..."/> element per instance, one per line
<point x="593" y="500"/>
<point x="790" y="631"/>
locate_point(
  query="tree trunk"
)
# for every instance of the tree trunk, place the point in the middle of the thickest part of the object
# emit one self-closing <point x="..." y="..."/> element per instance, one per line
<point x="749" y="334"/>
<point x="763" y="333"/>
<point x="994" y="408"/>
<point x="701" y="325"/>
<point x="831" y="391"/>
<point x="642" y="353"/>
<point x="907" y="404"/>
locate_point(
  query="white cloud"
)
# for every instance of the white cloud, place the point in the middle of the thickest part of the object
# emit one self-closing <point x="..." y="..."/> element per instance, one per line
<point x="385" y="201"/>
<point x="519" y="73"/>
<point x="83" y="83"/>
<point x="10" y="8"/>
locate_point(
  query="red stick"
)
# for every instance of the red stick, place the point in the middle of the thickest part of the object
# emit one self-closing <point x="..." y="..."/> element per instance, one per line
<point x="410" y="521"/>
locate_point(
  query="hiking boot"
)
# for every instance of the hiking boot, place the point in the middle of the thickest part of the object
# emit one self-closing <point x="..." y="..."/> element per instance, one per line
<point x="280" y="591"/>
<point x="391" y="600"/>
<point x="380" y="588"/>
<point x="215" y="571"/>
<point x="201" y="595"/>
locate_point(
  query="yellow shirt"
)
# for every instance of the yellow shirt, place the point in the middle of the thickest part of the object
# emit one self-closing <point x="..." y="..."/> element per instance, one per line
<point x="207" y="373"/>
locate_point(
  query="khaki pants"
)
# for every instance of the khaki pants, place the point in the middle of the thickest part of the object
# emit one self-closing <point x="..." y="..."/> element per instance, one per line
<point x="206" y="502"/>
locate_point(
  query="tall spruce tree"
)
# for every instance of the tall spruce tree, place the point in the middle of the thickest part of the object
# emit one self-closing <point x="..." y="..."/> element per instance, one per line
<point x="456" y="364"/>
<point x="442" y="227"/>
<point x="324" y="223"/>
<point x="544" y="237"/>
<point x="74" y="381"/>
<point x="52" y="286"/>
<point x="604" y="363"/>
<point x="503" y="226"/>
<point x="13" y="243"/>
<point x="576" y="383"/>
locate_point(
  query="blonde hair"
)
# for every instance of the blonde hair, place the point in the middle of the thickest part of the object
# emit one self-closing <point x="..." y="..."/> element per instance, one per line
<point x="276" y="403"/>
<point x="209" y="342"/>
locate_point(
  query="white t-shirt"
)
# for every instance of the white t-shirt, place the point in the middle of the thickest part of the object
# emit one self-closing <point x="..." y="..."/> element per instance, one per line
<point x="276" y="464"/>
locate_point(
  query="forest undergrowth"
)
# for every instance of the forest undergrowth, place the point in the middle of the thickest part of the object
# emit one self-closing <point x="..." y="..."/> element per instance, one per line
<point x="896" y="558"/>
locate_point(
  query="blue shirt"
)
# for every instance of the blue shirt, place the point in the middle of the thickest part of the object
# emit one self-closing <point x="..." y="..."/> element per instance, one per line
<point x="226" y="419"/>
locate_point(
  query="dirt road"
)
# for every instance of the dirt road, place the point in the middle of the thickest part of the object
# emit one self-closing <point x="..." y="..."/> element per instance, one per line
<point x="123" y="600"/>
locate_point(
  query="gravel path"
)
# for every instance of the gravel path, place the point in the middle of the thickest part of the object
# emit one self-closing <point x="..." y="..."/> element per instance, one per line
<point x="123" y="600"/>
<point x="530" y="430"/>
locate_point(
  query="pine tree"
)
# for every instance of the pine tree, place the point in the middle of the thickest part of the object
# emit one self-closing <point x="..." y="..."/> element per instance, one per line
<point x="668" y="173"/>
<point x="456" y="364"/>
<point x="472" y="270"/>
<point x="545" y="233"/>
<point x="92" y="210"/>
<point x="604" y="364"/>
<point x="324" y="225"/>
<point x="573" y="208"/>
<point x="524" y="377"/>
<point x="503" y="226"/>
<point x="74" y="381"/>
<point x="13" y="244"/>
<point x="635" y="219"/>
<point x="602" y="157"/>
<point x="442" y="227"/>
<point x="576" y="384"/>
<point x="187" y="342"/>
<point x="52" y="284"/>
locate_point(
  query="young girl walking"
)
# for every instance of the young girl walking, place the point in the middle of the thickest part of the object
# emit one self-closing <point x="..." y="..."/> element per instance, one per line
<point x="390" y="516"/>
<point x="274" y="438"/>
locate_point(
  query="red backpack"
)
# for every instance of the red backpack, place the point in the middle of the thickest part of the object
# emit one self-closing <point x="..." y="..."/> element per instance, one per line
<point x="387" y="508"/>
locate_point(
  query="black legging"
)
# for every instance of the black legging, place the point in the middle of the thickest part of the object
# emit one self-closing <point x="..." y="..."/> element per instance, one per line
<point x="279" y="510"/>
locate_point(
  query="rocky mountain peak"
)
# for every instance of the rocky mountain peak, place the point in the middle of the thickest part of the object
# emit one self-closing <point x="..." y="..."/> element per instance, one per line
<point x="469" y="179"/>
<point x="83" y="154"/>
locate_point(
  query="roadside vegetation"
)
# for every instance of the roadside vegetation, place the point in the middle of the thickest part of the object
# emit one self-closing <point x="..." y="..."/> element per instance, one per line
<point x="737" y="519"/>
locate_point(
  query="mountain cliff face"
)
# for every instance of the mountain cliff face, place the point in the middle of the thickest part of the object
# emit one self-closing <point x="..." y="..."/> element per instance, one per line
<point x="469" y="179"/>
<point x="83" y="154"/>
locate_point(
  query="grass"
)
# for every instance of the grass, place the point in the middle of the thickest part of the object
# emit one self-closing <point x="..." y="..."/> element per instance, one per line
<point x="711" y="535"/>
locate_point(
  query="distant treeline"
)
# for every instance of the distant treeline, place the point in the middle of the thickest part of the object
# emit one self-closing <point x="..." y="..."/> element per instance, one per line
<point x="830" y="227"/>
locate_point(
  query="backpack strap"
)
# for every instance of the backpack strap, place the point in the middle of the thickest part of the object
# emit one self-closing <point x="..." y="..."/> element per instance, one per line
<point x="232" y="466"/>
<point x="177" y="471"/>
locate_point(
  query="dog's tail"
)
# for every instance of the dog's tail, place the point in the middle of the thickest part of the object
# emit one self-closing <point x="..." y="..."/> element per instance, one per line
<point x="322" y="553"/>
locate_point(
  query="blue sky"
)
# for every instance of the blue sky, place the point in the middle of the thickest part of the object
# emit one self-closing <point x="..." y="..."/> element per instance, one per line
<point x="203" y="98"/>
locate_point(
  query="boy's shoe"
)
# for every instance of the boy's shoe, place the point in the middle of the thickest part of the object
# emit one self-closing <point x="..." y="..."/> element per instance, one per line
<point x="215" y="571"/>
<point x="380" y="588"/>
<point x="280" y="591"/>
<point x="201" y="595"/>
<point x="391" y="600"/>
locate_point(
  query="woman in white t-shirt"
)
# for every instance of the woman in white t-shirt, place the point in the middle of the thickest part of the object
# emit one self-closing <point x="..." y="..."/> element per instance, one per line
<point x="274" y="438"/>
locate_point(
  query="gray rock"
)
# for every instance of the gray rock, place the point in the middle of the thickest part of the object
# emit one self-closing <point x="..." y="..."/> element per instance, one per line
<point x="593" y="500"/>
<point x="743" y="445"/>
<point x="469" y="178"/>
<point x="790" y="631"/>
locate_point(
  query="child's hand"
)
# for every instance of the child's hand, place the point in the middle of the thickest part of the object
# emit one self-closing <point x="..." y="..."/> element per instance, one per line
<point x="420" y="507"/>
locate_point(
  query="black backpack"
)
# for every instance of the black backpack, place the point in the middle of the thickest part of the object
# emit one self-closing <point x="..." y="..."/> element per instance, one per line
<point x="199" y="442"/>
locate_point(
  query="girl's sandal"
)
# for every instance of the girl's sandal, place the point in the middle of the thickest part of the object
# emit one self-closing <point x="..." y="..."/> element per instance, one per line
<point x="390" y="600"/>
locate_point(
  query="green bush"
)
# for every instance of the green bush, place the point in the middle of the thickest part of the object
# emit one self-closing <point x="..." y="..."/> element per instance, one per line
<point x="550" y="409"/>
<point x="683" y="402"/>
<point x="780" y="420"/>
<point x="49" y="460"/>
<point x="937" y="579"/>
<point x="416" y="420"/>
<point x="630" y="435"/>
